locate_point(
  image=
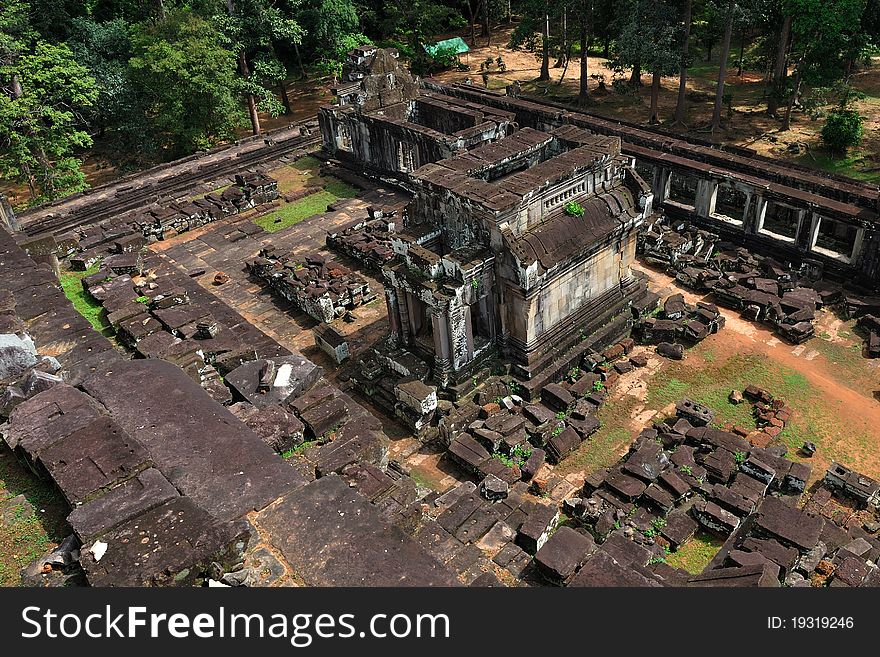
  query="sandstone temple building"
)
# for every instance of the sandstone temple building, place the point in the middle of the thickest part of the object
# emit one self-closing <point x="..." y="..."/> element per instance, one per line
<point x="517" y="239"/>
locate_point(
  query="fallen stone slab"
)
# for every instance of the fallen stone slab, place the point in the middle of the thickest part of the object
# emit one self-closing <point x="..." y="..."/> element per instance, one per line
<point x="561" y="556"/>
<point x="671" y="350"/>
<point x="761" y="575"/>
<point x="603" y="570"/>
<point x="537" y="527"/>
<point x="278" y="428"/>
<point x="355" y="444"/>
<point x="48" y="417"/>
<point x="171" y="545"/>
<point x="562" y="444"/>
<point x="322" y="419"/>
<point x="207" y="453"/>
<point x="93" y="460"/>
<point x="292" y="376"/>
<point x="141" y="493"/>
<point x="332" y="536"/>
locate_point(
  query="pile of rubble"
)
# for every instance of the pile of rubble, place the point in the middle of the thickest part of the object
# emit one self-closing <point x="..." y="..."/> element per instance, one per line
<point x="676" y="324"/>
<point x="682" y="476"/>
<point x="155" y="317"/>
<point x="501" y="428"/>
<point x="762" y="289"/>
<point x="319" y="287"/>
<point x="866" y="310"/>
<point x="368" y="240"/>
<point x="90" y="243"/>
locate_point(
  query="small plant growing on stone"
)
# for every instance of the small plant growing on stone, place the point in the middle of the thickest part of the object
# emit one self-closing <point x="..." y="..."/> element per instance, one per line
<point x="573" y="209"/>
<point x="688" y="470"/>
<point x="739" y="457"/>
<point x="658" y="523"/>
<point x="513" y="386"/>
<point x="558" y="430"/>
<point x="598" y="386"/>
<point x="475" y="284"/>
<point x="560" y="415"/>
<point x="143" y="299"/>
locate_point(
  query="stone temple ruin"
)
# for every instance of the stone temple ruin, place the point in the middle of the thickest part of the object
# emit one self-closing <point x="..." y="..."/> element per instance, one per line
<point x="517" y="244"/>
<point x="197" y="446"/>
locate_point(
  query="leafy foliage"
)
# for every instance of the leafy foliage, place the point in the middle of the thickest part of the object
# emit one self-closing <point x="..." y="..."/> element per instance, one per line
<point x="842" y="130"/>
<point x="573" y="209"/>
<point x="41" y="124"/>
<point x="186" y="72"/>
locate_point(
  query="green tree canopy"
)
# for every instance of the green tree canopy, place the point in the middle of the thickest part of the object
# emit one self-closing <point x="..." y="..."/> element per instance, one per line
<point x="41" y="125"/>
<point x="185" y="70"/>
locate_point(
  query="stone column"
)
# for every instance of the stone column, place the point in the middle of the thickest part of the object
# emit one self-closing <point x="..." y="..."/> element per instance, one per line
<point x="403" y="314"/>
<point x="760" y="213"/>
<point x="442" y="348"/>
<point x="458" y="336"/>
<point x="857" y="245"/>
<point x="815" y="222"/>
<point x="704" y="203"/>
<point x="800" y="236"/>
<point x="469" y="333"/>
<point x="662" y="178"/>
<point x="393" y="314"/>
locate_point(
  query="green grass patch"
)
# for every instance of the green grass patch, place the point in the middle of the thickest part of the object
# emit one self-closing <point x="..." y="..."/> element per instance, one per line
<point x="813" y="419"/>
<point x="604" y="447"/>
<point x="71" y="283"/>
<point x="696" y="553"/>
<point x="307" y="163"/>
<point x="850" y="166"/>
<point x="308" y="206"/>
<point x="26" y="536"/>
<point x="299" y="449"/>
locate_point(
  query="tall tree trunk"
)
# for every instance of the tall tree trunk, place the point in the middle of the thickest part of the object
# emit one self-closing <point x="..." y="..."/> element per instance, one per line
<point x="635" y="78"/>
<point x="244" y="71"/>
<point x="786" y="121"/>
<point x="487" y="26"/>
<point x="722" y="69"/>
<point x="683" y="72"/>
<point x="299" y="59"/>
<point x="16" y="86"/>
<point x="251" y="100"/>
<point x="655" y="95"/>
<point x="473" y="21"/>
<point x="777" y="87"/>
<point x="606" y="47"/>
<point x="545" y="59"/>
<point x="563" y="50"/>
<point x="742" y="47"/>
<point x="284" y="98"/>
<point x="584" y="93"/>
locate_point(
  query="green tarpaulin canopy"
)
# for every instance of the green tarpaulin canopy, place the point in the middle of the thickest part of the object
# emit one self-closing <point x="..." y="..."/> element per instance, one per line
<point x="457" y="44"/>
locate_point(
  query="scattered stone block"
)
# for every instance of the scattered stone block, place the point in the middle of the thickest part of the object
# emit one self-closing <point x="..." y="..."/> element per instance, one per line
<point x="560" y="557"/>
<point x="493" y="488"/>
